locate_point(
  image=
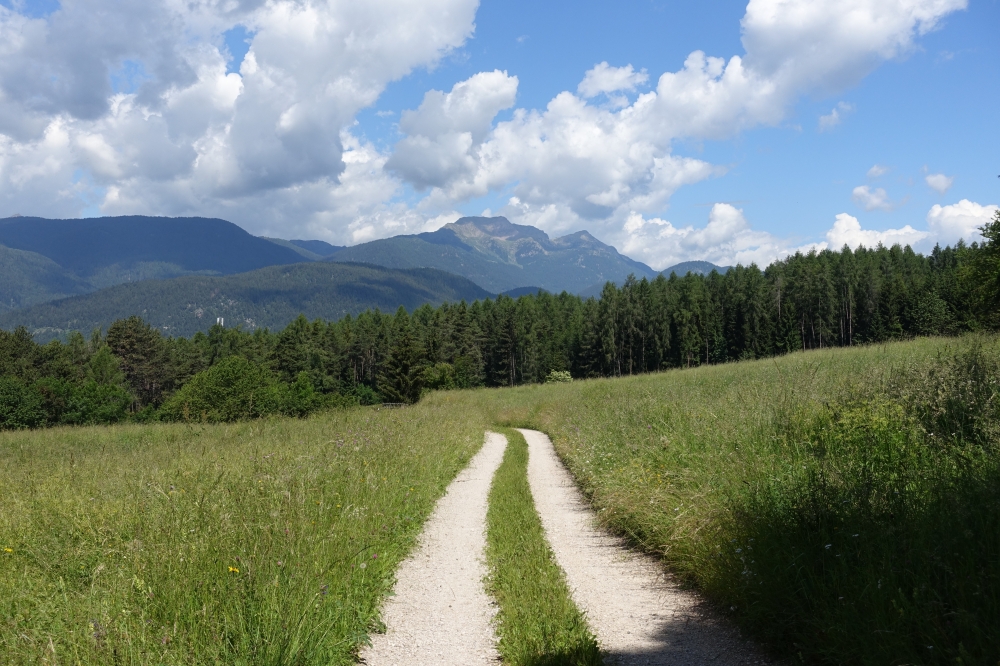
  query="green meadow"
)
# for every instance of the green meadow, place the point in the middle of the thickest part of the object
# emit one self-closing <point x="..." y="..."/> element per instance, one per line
<point x="841" y="506"/>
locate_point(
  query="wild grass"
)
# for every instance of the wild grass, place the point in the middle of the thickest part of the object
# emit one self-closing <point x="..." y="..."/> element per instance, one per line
<point x="537" y="623"/>
<point x="843" y="506"/>
<point x="265" y="542"/>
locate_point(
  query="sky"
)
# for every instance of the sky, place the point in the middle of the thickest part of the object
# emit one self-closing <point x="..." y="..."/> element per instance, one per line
<point x="717" y="130"/>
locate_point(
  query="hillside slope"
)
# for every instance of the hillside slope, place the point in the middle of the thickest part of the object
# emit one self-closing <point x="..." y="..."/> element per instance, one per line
<point x="500" y="256"/>
<point x="111" y="250"/>
<point x="269" y="297"/>
<point x="28" y="278"/>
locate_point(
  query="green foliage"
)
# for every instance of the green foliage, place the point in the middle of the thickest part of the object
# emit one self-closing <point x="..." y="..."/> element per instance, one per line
<point x="439" y="377"/>
<point x="983" y="273"/>
<point x="142" y="357"/>
<point x="231" y="390"/>
<point x="94" y="403"/>
<point x="402" y="377"/>
<point x="558" y="377"/>
<point x="20" y="406"/>
<point x="538" y="624"/>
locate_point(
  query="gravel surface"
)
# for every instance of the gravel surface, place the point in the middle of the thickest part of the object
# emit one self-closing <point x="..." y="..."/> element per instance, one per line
<point x="639" y="615"/>
<point x="440" y="613"/>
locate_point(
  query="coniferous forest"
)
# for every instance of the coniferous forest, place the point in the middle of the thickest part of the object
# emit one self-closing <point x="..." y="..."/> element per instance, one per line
<point x="806" y="301"/>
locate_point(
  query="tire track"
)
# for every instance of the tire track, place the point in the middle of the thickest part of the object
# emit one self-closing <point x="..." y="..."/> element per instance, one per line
<point x="440" y="613"/>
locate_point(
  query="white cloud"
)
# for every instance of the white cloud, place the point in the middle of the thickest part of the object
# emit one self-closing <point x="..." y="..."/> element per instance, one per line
<point x="847" y="231"/>
<point x="959" y="220"/>
<point x="446" y="129"/>
<point x="726" y="240"/>
<point x="267" y="146"/>
<point x="835" y="117"/>
<point x="939" y="182"/>
<point x="877" y="171"/>
<point x="191" y="138"/>
<point x="576" y="163"/>
<point x="604" y="78"/>
<point x="870" y="199"/>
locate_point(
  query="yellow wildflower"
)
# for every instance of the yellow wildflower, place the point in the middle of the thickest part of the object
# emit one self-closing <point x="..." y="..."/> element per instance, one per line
<point x="233" y="570"/>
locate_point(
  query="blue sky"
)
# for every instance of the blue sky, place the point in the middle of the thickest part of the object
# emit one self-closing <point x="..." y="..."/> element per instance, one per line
<point x="291" y="119"/>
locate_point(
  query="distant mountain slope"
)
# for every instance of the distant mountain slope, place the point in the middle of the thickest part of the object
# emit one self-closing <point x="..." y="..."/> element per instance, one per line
<point x="27" y="278"/>
<point x="696" y="267"/>
<point x="681" y="269"/>
<point x="301" y="251"/>
<point x="268" y="297"/>
<point x="110" y="250"/>
<point x="322" y="248"/>
<point x="500" y="256"/>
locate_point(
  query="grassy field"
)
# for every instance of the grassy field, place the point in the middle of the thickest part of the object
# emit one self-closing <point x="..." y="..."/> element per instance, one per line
<point x="269" y="542"/>
<point x="842" y="505"/>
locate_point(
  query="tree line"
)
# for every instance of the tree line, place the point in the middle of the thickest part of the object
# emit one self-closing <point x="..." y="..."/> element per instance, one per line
<point x="806" y="301"/>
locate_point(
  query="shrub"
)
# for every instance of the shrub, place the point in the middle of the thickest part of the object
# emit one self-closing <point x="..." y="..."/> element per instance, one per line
<point x="232" y="389"/>
<point x="56" y="395"/>
<point x="20" y="406"/>
<point x="439" y="377"/>
<point x="558" y="377"/>
<point x="94" y="403"/>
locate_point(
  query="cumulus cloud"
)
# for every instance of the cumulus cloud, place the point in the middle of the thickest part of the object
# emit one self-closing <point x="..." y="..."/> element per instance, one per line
<point x="869" y="199"/>
<point x="847" y="231"/>
<point x="270" y="146"/>
<point x="961" y="220"/>
<point x="185" y="136"/>
<point x="604" y="78"/>
<point x="835" y="117"/>
<point x="939" y="182"/>
<point x="877" y="171"/>
<point x="447" y="127"/>
<point x="577" y="163"/>
<point x="727" y="239"/>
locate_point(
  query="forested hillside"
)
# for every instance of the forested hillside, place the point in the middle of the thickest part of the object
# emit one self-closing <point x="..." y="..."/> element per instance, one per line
<point x="27" y="278"/>
<point x="269" y="297"/>
<point x="804" y="302"/>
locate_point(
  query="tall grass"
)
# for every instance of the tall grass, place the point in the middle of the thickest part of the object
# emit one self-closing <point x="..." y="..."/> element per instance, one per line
<point x="267" y="542"/>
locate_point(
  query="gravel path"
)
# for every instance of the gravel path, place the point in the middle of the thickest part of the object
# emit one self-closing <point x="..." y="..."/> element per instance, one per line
<point x="440" y="613"/>
<point x="637" y="613"/>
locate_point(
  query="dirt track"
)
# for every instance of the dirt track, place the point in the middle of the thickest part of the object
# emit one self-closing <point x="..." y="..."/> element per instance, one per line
<point x="440" y="613"/>
<point x="637" y="613"/>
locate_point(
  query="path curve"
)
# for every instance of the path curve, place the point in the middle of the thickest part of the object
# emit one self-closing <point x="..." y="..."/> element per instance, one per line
<point x="639" y="615"/>
<point x="440" y="613"/>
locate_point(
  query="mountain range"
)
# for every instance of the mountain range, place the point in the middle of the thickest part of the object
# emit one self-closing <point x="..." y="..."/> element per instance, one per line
<point x="500" y="256"/>
<point x="99" y="263"/>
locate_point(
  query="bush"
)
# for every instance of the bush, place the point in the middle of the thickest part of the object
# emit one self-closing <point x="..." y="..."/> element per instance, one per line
<point x="232" y="389"/>
<point x="94" y="403"/>
<point x="56" y="395"/>
<point x="20" y="406"/>
<point x="439" y="377"/>
<point x="558" y="377"/>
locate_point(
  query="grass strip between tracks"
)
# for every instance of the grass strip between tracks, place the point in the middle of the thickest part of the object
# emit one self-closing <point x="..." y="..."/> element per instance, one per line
<point x="538" y="624"/>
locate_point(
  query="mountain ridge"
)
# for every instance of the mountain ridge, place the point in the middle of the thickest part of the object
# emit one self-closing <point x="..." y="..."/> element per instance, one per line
<point x="501" y="256"/>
